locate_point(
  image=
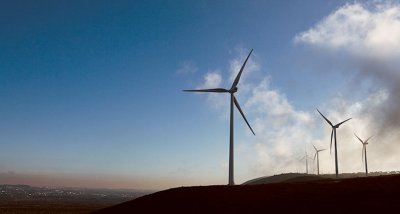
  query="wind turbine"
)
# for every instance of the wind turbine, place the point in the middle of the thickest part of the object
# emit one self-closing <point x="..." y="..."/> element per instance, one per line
<point x="334" y="127"/>
<point x="232" y="91"/>
<point x="306" y="157"/>
<point x="364" y="152"/>
<point x="317" y="155"/>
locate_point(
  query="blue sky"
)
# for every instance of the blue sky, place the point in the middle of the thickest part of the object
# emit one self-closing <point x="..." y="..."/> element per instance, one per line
<point x="91" y="91"/>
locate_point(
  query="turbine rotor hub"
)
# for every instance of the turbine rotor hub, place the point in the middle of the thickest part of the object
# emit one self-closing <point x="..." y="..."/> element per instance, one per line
<point x="233" y="90"/>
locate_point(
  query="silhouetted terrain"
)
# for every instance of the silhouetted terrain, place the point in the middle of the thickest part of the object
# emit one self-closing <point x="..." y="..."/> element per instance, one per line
<point x="28" y="199"/>
<point x="362" y="194"/>
<point x="300" y="177"/>
<point x="287" y="177"/>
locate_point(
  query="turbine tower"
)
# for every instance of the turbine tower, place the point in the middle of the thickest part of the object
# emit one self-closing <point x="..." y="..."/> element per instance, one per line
<point x="306" y="157"/>
<point x="364" y="152"/>
<point x="317" y="155"/>
<point x="231" y="91"/>
<point x="334" y="127"/>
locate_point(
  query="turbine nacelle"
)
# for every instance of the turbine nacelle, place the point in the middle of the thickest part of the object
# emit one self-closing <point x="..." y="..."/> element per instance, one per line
<point x="330" y="123"/>
<point x="334" y="127"/>
<point x="363" y="142"/>
<point x="233" y="90"/>
<point x="337" y="125"/>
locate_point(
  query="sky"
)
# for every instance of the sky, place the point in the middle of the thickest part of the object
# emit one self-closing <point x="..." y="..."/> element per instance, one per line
<point x="91" y="91"/>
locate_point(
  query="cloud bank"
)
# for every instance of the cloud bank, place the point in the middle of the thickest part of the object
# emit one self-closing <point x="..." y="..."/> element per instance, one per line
<point x="362" y="30"/>
<point x="369" y="35"/>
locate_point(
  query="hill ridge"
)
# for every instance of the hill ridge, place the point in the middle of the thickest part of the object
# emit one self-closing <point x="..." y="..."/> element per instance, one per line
<point x="351" y="194"/>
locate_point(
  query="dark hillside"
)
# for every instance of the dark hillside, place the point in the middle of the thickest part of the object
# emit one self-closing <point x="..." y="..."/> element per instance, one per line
<point x="371" y="194"/>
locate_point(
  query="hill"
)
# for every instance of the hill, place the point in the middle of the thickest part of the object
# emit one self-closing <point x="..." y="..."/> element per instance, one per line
<point x="287" y="177"/>
<point x="300" y="177"/>
<point x="363" y="194"/>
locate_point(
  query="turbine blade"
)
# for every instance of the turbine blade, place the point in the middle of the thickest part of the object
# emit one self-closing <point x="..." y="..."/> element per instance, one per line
<point x="321" y="150"/>
<point x="315" y="156"/>
<point x="359" y="139"/>
<point x="342" y="122"/>
<point x="330" y="150"/>
<point x="368" y="139"/>
<point x="325" y="118"/>
<point x="217" y="90"/>
<point x="241" y="112"/>
<point x="241" y="70"/>
<point x="315" y="147"/>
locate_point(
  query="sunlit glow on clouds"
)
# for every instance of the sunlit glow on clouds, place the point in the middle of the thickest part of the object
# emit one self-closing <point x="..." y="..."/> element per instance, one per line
<point x="368" y="30"/>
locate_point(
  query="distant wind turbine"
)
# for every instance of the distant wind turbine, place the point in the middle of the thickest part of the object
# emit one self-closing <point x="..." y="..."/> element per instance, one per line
<point x="232" y="91"/>
<point x="306" y="157"/>
<point x="334" y="127"/>
<point x="317" y="155"/>
<point x="364" y="152"/>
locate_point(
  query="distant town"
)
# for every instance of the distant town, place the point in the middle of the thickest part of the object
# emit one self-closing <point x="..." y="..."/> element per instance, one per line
<point x="24" y="198"/>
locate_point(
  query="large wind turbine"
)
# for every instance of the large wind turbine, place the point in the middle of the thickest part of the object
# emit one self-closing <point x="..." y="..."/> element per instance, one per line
<point x="232" y="91"/>
<point x="334" y="127"/>
<point x="306" y="157"/>
<point x="317" y="155"/>
<point x="364" y="152"/>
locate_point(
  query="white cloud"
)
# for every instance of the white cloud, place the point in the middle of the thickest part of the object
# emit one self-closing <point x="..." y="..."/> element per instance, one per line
<point x="347" y="26"/>
<point x="187" y="67"/>
<point x="356" y="26"/>
<point x="282" y="131"/>
<point x="366" y="31"/>
<point x="212" y="79"/>
<point x="368" y="35"/>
